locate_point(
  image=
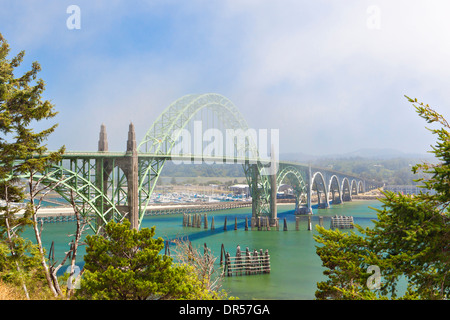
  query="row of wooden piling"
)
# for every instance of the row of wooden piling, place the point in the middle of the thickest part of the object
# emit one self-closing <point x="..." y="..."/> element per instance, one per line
<point x="198" y="220"/>
<point x="57" y="218"/>
<point x="249" y="263"/>
<point x="243" y="263"/>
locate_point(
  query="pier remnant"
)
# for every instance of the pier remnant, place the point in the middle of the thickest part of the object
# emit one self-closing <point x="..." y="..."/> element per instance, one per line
<point x="341" y="222"/>
<point x="256" y="262"/>
<point x="263" y="223"/>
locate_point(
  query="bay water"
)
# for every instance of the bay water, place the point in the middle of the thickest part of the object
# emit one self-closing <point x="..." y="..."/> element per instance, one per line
<point x="295" y="266"/>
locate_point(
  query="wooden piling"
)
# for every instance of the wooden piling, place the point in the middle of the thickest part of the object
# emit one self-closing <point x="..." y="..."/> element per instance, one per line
<point x="266" y="262"/>
<point x="309" y="223"/>
<point x="235" y="223"/>
<point x="285" y="228"/>
<point x="297" y="223"/>
<point x="206" y="221"/>
<point x="212" y="223"/>
<point x="225" y="224"/>
<point x="228" y="263"/>
<point x="246" y="223"/>
<point x="167" y="248"/>
<point x="251" y="263"/>
<point x="222" y="253"/>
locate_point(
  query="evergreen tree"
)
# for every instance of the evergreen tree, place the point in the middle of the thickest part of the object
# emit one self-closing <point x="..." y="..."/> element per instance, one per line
<point x="22" y="152"/>
<point x="410" y="239"/>
<point x="126" y="264"/>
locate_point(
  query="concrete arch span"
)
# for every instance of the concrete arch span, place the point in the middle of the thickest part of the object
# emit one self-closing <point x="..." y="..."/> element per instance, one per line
<point x="319" y="190"/>
<point x="299" y="185"/>
<point x="346" y="190"/>
<point x="334" y="190"/>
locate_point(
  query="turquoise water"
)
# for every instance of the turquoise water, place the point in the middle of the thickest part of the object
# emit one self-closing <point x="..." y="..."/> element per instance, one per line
<point x="295" y="266"/>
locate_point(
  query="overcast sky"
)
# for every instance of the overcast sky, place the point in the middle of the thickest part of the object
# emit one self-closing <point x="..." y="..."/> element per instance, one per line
<point x="330" y="75"/>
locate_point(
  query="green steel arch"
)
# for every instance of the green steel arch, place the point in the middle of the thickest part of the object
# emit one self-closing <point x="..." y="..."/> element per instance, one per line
<point x="299" y="190"/>
<point x="76" y="180"/>
<point x="160" y="140"/>
<point x="294" y="171"/>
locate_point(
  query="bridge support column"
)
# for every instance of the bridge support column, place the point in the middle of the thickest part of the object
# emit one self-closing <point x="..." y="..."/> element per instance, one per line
<point x="133" y="179"/>
<point x="101" y="178"/>
<point x="273" y="199"/>
<point x="255" y="192"/>
<point x="309" y="193"/>
<point x="273" y="189"/>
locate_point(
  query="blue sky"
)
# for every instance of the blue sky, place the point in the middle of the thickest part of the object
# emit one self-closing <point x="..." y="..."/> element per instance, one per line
<point x="321" y="72"/>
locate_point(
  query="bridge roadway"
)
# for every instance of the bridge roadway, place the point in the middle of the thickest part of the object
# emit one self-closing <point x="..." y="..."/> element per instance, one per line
<point x="103" y="182"/>
<point x="324" y="184"/>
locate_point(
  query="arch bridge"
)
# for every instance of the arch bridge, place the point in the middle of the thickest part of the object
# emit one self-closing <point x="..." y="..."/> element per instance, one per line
<point x="107" y="185"/>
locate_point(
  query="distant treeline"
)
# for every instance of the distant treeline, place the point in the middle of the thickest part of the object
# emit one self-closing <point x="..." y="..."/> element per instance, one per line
<point x="202" y="170"/>
<point x="396" y="171"/>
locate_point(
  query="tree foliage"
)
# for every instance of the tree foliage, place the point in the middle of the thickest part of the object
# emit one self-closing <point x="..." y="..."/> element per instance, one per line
<point x="409" y="241"/>
<point x="22" y="152"/>
<point x="126" y="264"/>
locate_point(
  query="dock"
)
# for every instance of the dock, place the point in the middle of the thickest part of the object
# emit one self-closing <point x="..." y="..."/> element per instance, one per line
<point x="67" y="214"/>
<point x="194" y="207"/>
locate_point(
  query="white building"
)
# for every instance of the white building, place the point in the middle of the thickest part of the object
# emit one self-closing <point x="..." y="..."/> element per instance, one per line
<point x="240" y="189"/>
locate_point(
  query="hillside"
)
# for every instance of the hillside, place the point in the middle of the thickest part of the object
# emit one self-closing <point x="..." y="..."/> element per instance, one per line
<point x="385" y="165"/>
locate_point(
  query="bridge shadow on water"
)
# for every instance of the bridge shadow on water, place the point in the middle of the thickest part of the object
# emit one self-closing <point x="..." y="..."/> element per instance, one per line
<point x="219" y="222"/>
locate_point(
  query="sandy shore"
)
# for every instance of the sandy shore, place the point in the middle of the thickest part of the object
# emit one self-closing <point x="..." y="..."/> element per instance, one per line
<point x="64" y="211"/>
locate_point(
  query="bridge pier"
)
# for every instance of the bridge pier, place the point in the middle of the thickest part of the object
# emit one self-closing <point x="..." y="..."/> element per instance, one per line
<point x="101" y="179"/>
<point x="255" y="191"/>
<point x="273" y="191"/>
<point x="129" y="166"/>
<point x="309" y="193"/>
<point x="132" y="178"/>
<point x="257" y="198"/>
